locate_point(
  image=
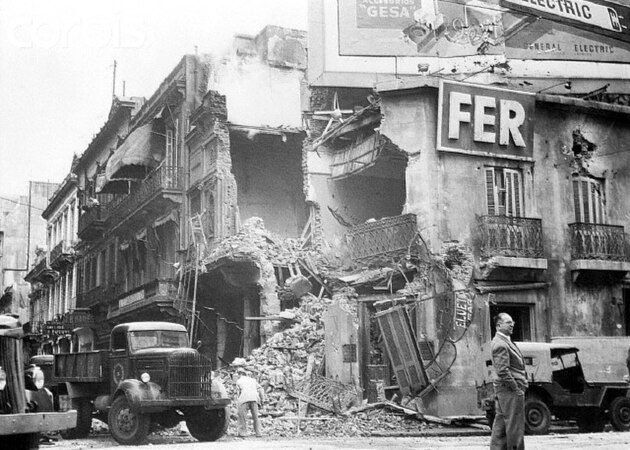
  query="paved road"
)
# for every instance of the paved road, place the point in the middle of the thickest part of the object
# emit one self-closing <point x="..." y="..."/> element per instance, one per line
<point x="594" y="441"/>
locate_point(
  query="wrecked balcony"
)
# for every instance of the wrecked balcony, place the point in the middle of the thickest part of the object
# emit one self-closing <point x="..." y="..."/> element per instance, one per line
<point x="598" y="252"/>
<point x="383" y="240"/>
<point x="510" y="243"/>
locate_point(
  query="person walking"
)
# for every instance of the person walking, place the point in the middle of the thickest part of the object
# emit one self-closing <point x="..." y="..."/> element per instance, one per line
<point x="250" y="395"/>
<point x="510" y="384"/>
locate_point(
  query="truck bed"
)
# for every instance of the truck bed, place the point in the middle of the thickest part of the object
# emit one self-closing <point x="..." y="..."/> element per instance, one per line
<point x="81" y="367"/>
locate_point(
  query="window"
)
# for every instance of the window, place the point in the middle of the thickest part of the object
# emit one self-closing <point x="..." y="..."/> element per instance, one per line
<point x="522" y="315"/>
<point x="171" y="146"/>
<point x="588" y="200"/>
<point x="504" y="192"/>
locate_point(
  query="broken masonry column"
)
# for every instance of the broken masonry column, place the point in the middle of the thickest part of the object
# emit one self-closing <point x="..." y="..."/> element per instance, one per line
<point x="269" y="301"/>
<point x="341" y="342"/>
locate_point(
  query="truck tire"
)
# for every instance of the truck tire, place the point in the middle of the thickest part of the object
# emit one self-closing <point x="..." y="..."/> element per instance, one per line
<point x="84" y="419"/>
<point x="591" y="420"/>
<point x="620" y="414"/>
<point x="537" y="416"/>
<point x="21" y="441"/>
<point x="208" y="425"/>
<point x="128" y="427"/>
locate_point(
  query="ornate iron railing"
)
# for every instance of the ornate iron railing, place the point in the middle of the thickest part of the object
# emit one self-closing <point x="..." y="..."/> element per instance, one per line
<point x="162" y="178"/>
<point x="90" y="297"/>
<point x="510" y="236"/>
<point x="597" y="241"/>
<point x="91" y="216"/>
<point x="388" y="237"/>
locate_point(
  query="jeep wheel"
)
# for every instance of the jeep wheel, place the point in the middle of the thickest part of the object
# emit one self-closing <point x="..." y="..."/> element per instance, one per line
<point x="620" y="413"/>
<point x="208" y="425"/>
<point x="127" y="426"/>
<point x="84" y="419"/>
<point x="591" y="420"/>
<point x="537" y="416"/>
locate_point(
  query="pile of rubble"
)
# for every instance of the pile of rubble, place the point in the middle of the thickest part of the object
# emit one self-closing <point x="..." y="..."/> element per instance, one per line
<point x="282" y="363"/>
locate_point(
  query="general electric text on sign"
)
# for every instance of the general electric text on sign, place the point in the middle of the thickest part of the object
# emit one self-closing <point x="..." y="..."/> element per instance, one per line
<point x="485" y="121"/>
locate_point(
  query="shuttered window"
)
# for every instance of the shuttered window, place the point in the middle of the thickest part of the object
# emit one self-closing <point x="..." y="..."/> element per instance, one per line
<point x="504" y="192"/>
<point x="588" y="200"/>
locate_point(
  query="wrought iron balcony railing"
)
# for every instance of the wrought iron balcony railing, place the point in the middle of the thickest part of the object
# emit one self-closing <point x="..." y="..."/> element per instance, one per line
<point x="90" y="297"/>
<point x="164" y="178"/>
<point x="597" y="241"/>
<point x="388" y="237"/>
<point x="93" y="217"/>
<point x="519" y="237"/>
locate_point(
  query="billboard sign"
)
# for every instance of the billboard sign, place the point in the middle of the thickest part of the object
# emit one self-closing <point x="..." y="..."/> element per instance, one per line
<point x="419" y="28"/>
<point x="599" y="16"/>
<point x="485" y="121"/>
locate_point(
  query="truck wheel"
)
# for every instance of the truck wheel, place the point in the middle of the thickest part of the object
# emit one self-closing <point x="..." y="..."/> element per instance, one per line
<point x="84" y="419"/>
<point x="127" y="426"/>
<point x="620" y="413"/>
<point x="208" y="425"/>
<point x="537" y="416"/>
<point x="21" y="441"/>
<point x="591" y="420"/>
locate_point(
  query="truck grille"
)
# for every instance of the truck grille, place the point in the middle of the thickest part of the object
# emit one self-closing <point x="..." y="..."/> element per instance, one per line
<point x="188" y="375"/>
<point x="12" y="398"/>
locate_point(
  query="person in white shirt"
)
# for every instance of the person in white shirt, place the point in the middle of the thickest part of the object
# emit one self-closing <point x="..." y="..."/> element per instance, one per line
<point x="250" y="395"/>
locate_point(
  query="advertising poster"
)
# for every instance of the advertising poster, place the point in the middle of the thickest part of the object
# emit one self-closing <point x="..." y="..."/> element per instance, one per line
<point x="519" y="29"/>
<point x="419" y="28"/>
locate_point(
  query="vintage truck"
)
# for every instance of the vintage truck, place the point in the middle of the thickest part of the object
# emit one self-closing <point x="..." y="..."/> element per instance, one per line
<point x="557" y="387"/>
<point x="26" y="408"/>
<point x="149" y="373"/>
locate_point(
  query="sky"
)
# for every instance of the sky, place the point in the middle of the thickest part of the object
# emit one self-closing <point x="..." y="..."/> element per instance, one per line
<point x="57" y="58"/>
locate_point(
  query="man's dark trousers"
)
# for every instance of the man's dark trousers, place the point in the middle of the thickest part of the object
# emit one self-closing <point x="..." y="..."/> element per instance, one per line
<point x="509" y="422"/>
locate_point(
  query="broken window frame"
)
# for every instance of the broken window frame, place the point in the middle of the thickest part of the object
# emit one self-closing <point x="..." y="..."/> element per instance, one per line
<point x="504" y="192"/>
<point x="589" y="200"/>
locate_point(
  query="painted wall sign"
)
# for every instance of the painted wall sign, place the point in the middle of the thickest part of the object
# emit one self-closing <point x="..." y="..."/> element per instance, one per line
<point x="485" y="121"/>
<point x="463" y="309"/>
<point x="599" y="16"/>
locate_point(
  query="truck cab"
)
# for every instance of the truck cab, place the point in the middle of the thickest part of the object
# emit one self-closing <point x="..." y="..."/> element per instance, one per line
<point x="26" y="408"/>
<point x="557" y="387"/>
<point x="149" y="373"/>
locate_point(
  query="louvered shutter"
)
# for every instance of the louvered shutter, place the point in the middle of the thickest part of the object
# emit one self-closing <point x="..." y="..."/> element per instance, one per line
<point x="490" y="191"/>
<point x="576" y="201"/>
<point x="402" y="349"/>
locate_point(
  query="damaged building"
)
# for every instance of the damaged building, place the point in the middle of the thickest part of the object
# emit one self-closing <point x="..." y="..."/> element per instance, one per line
<point x="525" y="216"/>
<point x="237" y="190"/>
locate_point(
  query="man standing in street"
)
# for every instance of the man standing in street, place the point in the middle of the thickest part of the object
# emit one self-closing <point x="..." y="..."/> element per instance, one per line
<point x="250" y="395"/>
<point x="510" y="384"/>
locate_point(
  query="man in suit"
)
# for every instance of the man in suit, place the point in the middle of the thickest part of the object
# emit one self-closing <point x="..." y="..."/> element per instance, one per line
<point x="510" y="384"/>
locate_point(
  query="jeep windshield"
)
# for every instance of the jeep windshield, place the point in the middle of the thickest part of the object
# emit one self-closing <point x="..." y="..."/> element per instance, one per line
<point x="140" y="340"/>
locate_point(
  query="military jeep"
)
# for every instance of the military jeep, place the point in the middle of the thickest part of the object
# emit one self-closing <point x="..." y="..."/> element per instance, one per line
<point x="149" y="374"/>
<point x="557" y="387"/>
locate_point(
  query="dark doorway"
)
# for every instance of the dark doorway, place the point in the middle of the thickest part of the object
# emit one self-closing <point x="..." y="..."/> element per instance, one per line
<point x="522" y="319"/>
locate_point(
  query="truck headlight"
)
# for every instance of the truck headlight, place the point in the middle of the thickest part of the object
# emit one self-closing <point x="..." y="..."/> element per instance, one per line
<point x="34" y="378"/>
<point x="3" y="379"/>
<point x="38" y="378"/>
<point x="145" y="377"/>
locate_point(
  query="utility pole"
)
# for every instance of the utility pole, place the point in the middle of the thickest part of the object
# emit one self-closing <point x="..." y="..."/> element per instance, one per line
<point x="114" y="81"/>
